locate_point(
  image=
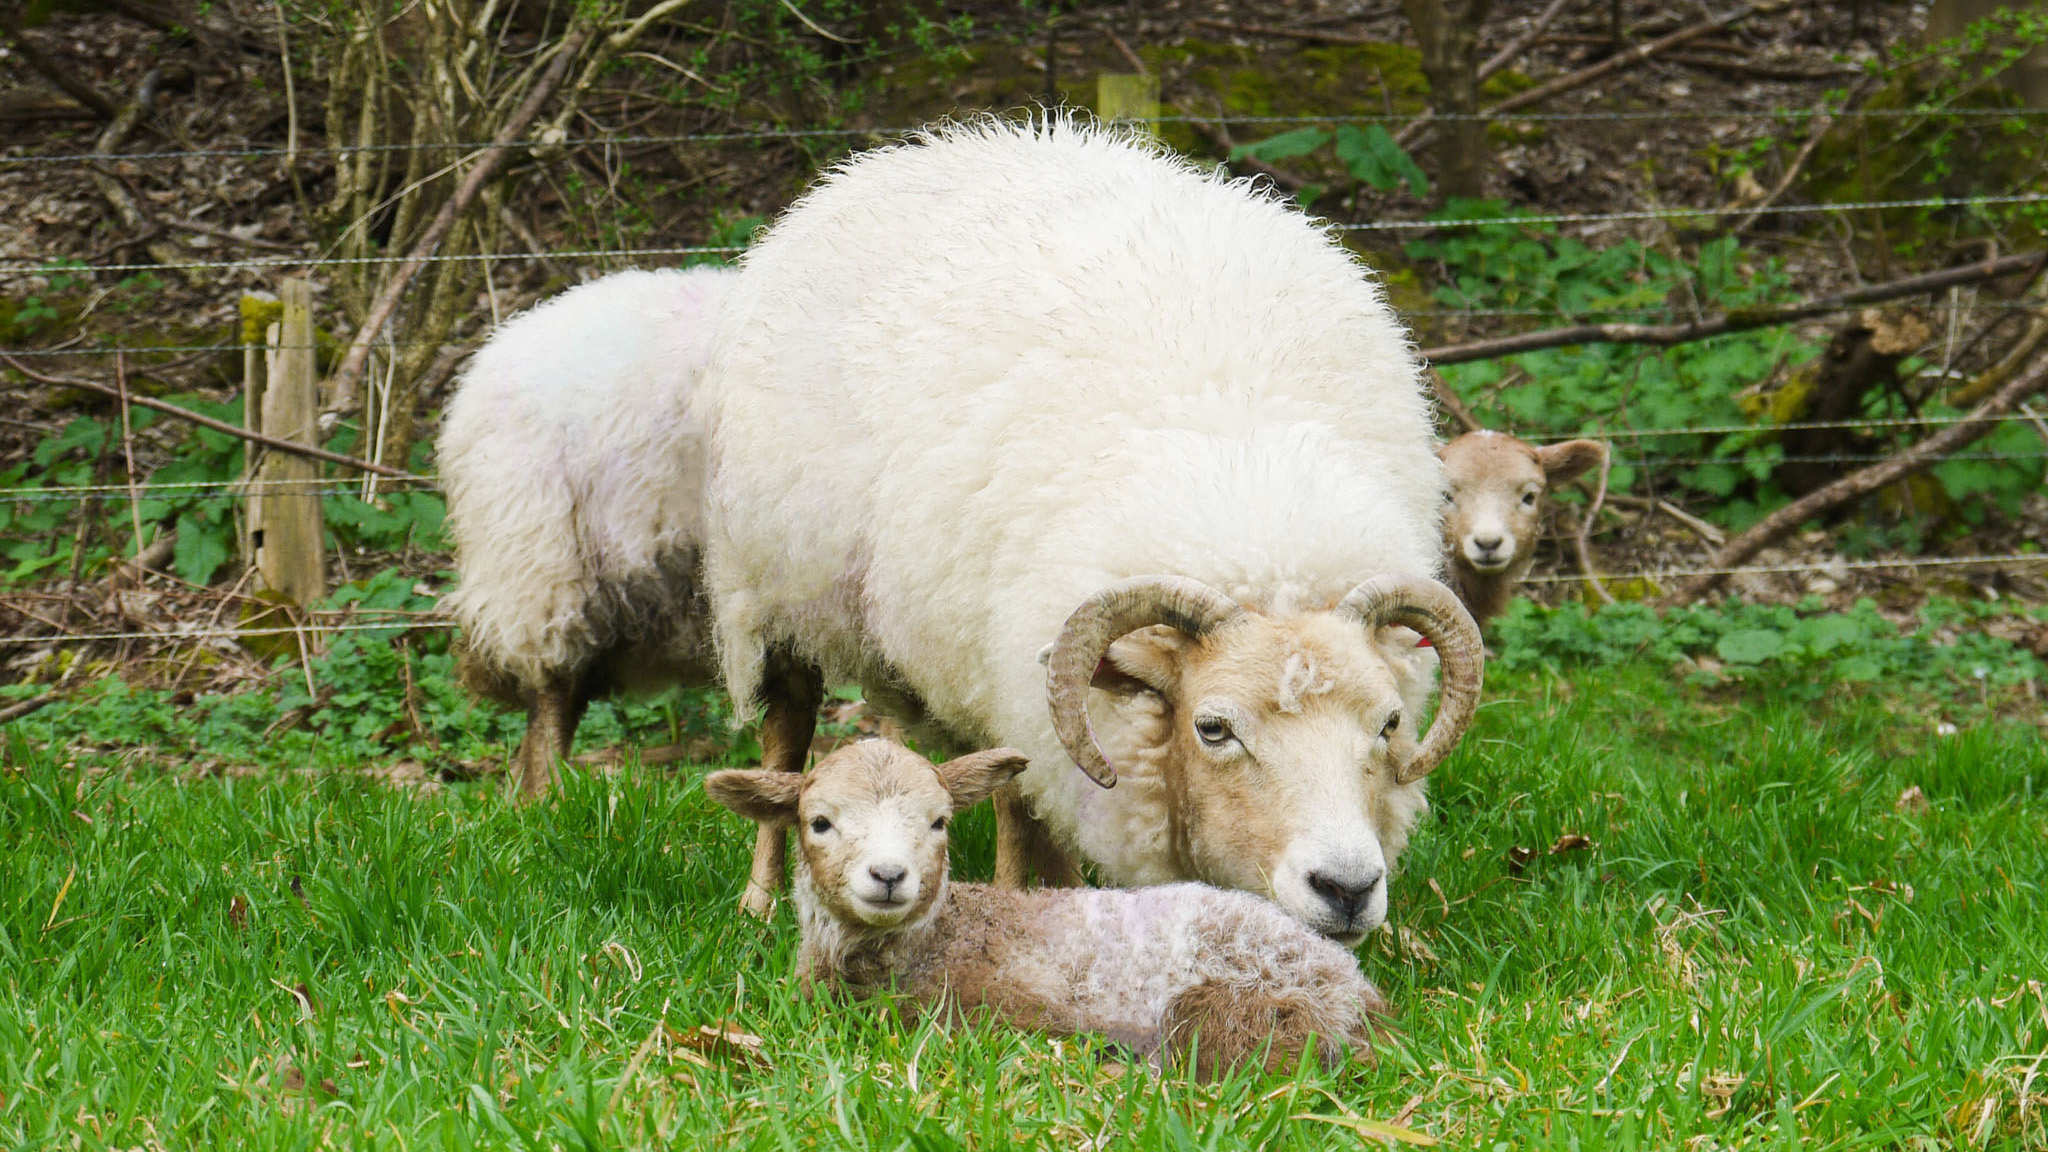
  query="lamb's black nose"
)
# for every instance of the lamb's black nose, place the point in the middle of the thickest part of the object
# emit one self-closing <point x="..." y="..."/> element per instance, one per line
<point x="1345" y="897"/>
<point x="888" y="875"/>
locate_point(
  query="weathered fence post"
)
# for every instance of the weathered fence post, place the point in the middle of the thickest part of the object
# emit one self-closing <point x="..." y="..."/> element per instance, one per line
<point x="1128" y="96"/>
<point x="284" y="506"/>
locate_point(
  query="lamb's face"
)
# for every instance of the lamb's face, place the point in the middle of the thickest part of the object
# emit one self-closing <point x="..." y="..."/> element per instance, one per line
<point x="872" y="823"/>
<point x="1496" y="486"/>
<point x="1284" y="738"/>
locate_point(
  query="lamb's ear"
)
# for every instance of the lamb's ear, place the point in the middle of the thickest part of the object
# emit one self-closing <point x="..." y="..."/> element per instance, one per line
<point x="972" y="777"/>
<point x="761" y="795"/>
<point x="1564" y="462"/>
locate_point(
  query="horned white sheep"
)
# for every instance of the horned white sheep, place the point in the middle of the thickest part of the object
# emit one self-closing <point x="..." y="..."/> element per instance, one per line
<point x="1018" y="387"/>
<point x="1496" y="485"/>
<point x="1198" y="977"/>
<point x="574" y="475"/>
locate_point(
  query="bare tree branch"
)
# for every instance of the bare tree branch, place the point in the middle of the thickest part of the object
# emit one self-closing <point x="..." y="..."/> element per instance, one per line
<point x="1664" y="335"/>
<point x="1864" y="481"/>
<point x="348" y="377"/>
<point x="209" y="422"/>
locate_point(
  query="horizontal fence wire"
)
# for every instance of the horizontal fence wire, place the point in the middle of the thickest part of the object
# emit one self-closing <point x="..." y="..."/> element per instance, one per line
<point x="254" y="262"/>
<point x="1838" y="565"/>
<point x="752" y="135"/>
<point x="310" y="629"/>
<point x="1696" y="213"/>
<point x="413" y="621"/>
<point x="329" y="486"/>
<point x="1574" y="317"/>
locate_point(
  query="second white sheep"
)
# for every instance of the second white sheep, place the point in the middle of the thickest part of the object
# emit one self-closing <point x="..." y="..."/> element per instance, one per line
<point x="575" y="480"/>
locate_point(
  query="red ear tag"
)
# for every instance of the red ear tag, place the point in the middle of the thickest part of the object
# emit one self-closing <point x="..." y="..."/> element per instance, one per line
<point x="1424" y="643"/>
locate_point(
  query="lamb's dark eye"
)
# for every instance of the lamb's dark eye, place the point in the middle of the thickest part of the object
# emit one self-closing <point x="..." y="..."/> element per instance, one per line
<point x="1213" y="729"/>
<point x="1528" y="499"/>
<point x="939" y="825"/>
<point x="1393" y="723"/>
<point x="820" y="825"/>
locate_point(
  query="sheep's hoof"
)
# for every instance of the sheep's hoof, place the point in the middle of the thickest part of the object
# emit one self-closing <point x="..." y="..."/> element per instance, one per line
<point x="758" y="902"/>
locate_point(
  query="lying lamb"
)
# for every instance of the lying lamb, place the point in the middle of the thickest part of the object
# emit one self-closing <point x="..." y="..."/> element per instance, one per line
<point x="1497" y="484"/>
<point x="575" y="492"/>
<point x="1193" y="976"/>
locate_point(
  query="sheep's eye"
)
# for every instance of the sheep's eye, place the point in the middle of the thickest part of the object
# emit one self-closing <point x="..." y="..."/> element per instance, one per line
<point x="939" y="825"/>
<point x="1392" y="725"/>
<point x="820" y="825"/>
<point x="1213" y="730"/>
<point x="1528" y="499"/>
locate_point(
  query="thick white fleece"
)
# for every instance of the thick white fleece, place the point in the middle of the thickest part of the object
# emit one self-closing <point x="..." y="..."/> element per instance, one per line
<point x="970" y="380"/>
<point x="574" y="472"/>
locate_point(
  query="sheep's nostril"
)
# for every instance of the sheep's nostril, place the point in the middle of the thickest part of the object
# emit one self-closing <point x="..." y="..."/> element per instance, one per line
<point x="1345" y="897"/>
<point x="888" y="875"/>
<point x="1487" y="543"/>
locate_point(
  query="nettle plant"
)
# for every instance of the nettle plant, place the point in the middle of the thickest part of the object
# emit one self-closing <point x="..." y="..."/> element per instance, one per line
<point x="1607" y="388"/>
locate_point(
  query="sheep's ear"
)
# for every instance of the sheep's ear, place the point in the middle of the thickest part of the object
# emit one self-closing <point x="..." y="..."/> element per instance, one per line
<point x="972" y="777"/>
<point x="1564" y="462"/>
<point x="1147" y="660"/>
<point x="761" y="795"/>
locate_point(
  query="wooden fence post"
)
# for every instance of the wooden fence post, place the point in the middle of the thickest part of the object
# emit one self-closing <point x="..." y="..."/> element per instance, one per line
<point x="285" y="530"/>
<point x="1129" y="96"/>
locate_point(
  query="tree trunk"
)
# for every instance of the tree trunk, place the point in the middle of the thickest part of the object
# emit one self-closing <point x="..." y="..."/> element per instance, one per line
<point x="1448" y="33"/>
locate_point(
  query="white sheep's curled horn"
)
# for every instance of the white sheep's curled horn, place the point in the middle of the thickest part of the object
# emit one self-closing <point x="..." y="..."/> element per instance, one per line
<point x="1111" y="614"/>
<point x="1433" y="610"/>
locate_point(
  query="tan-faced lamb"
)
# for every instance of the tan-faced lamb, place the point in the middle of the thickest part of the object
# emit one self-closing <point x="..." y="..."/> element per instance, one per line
<point x="574" y="475"/>
<point x="1018" y="387"/>
<point x="1496" y="484"/>
<point x="1200" y="978"/>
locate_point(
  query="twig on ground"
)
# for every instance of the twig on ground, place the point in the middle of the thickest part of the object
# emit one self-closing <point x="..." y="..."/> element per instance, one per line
<point x="1669" y="334"/>
<point x="1309" y="34"/>
<point x="20" y="708"/>
<point x="1520" y="44"/>
<point x="1286" y="181"/>
<point x="1863" y="481"/>
<point x="1700" y="528"/>
<point x="1625" y="58"/>
<point x="128" y="450"/>
<point x="209" y="422"/>
<point x="1579" y="545"/>
<point x="2014" y="359"/>
<point x="56" y="73"/>
<point x="1818" y="131"/>
<point x="1450" y="403"/>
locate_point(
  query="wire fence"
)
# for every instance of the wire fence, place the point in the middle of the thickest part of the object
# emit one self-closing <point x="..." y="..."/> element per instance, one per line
<point x="79" y="268"/>
<point x="402" y="622"/>
<point x="342" y="622"/>
<point x="770" y="133"/>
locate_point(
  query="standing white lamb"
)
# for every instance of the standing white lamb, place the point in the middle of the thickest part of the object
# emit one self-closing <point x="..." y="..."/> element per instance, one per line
<point x="1019" y="388"/>
<point x="1201" y="978"/>
<point x="1496" y="485"/>
<point x="575" y="474"/>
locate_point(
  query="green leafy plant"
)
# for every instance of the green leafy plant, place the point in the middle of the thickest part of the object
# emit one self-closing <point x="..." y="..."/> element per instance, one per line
<point x="1369" y="155"/>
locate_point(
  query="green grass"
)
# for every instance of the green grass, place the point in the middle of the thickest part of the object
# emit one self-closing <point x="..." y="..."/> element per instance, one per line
<point x="1759" y="946"/>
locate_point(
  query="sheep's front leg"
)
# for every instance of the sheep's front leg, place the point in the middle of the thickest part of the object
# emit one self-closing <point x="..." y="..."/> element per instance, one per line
<point x="551" y="719"/>
<point x="793" y="693"/>
<point x="1025" y="846"/>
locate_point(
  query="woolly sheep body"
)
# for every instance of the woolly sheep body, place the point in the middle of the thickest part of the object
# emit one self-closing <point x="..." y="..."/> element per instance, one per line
<point x="574" y="474"/>
<point x="969" y="381"/>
